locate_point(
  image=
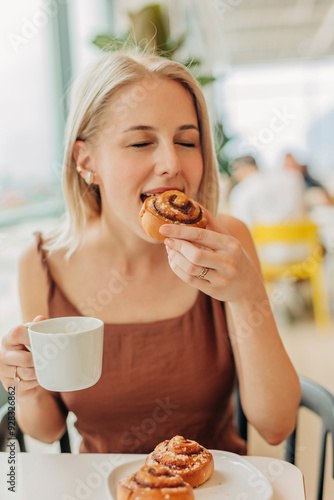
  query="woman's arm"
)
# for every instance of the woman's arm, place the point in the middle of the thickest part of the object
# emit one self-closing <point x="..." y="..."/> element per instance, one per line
<point x="269" y="385"/>
<point x="40" y="413"/>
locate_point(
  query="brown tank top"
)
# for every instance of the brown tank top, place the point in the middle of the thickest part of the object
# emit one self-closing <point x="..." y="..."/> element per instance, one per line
<point x="159" y="379"/>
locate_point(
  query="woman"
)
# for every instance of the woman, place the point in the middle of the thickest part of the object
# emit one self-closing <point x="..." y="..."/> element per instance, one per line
<point x="174" y="338"/>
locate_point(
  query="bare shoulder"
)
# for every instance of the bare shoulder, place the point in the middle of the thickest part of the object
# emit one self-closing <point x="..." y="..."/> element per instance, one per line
<point x="240" y="231"/>
<point x="33" y="283"/>
<point x="235" y="227"/>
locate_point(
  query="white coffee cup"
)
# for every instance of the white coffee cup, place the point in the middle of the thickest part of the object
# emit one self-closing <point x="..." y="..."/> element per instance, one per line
<point x="67" y="352"/>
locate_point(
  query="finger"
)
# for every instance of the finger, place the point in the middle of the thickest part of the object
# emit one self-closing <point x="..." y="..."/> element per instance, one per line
<point x="197" y="256"/>
<point x="17" y="338"/>
<point x="18" y="358"/>
<point x="188" y="259"/>
<point x="201" y="284"/>
<point x="38" y="318"/>
<point x="25" y="374"/>
<point x="212" y="223"/>
<point x="35" y="320"/>
<point x="22" y="386"/>
<point x="203" y="237"/>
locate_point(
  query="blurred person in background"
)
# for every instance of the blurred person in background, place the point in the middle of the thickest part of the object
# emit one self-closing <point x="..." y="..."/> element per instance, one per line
<point x="270" y="198"/>
<point x="315" y="193"/>
<point x="262" y="197"/>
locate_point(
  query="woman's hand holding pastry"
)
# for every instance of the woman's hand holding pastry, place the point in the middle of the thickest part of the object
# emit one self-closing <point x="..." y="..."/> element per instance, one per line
<point x="16" y="361"/>
<point x="211" y="260"/>
<point x="234" y="277"/>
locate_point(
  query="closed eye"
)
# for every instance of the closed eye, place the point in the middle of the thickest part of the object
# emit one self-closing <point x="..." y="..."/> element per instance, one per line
<point x="143" y="144"/>
<point x="187" y="144"/>
<point x="140" y="144"/>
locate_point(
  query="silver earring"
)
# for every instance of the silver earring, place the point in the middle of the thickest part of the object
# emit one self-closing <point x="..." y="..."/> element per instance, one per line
<point x="86" y="174"/>
<point x="88" y="177"/>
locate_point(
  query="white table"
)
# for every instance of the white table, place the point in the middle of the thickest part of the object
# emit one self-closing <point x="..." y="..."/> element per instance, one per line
<point x="83" y="477"/>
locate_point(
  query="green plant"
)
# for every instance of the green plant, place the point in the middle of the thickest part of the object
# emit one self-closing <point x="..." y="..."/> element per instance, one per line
<point x="149" y="29"/>
<point x="221" y="139"/>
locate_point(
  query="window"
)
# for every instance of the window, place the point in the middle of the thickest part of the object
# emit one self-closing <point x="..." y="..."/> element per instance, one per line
<point x="42" y="39"/>
<point x="26" y="129"/>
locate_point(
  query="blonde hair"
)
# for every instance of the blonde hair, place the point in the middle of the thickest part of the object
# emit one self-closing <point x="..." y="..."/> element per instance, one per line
<point x="91" y="95"/>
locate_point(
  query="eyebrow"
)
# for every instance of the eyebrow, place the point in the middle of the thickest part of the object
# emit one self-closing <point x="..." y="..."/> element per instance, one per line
<point x="146" y="127"/>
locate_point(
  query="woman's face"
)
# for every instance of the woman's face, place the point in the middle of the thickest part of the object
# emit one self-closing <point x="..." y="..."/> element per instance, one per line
<point x="150" y="142"/>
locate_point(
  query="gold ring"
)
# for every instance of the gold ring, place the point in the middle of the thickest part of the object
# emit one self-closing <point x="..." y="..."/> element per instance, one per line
<point x="203" y="273"/>
<point x="16" y="377"/>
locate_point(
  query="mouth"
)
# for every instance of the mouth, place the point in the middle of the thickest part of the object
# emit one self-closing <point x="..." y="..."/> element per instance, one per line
<point x="144" y="196"/>
<point x="154" y="192"/>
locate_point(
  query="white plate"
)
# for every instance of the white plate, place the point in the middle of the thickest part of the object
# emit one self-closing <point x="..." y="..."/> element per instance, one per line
<point x="234" y="478"/>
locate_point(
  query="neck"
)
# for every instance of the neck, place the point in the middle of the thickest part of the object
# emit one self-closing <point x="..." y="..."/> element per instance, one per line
<point x="126" y="246"/>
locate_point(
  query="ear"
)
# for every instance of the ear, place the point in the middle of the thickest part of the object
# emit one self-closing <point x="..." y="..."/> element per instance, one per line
<point x="82" y="154"/>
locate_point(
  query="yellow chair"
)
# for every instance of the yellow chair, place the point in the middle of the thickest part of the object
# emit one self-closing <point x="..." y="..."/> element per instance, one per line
<point x="310" y="267"/>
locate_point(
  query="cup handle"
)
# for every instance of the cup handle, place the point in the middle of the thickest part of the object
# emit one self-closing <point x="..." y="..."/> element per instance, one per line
<point x="27" y="325"/>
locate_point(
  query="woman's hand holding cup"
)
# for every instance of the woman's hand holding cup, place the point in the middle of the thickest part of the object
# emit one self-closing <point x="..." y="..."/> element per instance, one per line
<point x="16" y="361"/>
<point x="59" y="354"/>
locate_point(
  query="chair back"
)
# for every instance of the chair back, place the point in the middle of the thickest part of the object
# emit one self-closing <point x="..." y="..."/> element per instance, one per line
<point x="296" y="231"/>
<point x="320" y="401"/>
<point x="299" y="243"/>
<point x="5" y="435"/>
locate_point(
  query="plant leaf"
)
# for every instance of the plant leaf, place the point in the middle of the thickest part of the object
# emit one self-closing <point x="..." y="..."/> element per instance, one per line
<point x="149" y="28"/>
<point x="205" y="79"/>
<point x="171" y="46"/>
<point x="190" y="63"/>
<point x="110" y="42"/>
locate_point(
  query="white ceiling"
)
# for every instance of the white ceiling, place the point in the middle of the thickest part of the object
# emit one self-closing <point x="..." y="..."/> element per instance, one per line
<point x="233" y="32"/>
<point x="252" y="31"/>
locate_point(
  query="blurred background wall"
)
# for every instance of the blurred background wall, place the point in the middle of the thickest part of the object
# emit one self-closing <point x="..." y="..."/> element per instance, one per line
<point x="272" y="63"/>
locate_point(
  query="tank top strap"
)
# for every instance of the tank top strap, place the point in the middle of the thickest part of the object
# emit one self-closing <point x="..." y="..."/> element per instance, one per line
<point x="44" y="260"/>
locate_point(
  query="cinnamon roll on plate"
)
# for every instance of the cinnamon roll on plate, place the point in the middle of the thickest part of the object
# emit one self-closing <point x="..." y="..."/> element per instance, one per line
<point x="184" y="457"/>
<point x="154" y="483"/>
<point x="170" y="207"/>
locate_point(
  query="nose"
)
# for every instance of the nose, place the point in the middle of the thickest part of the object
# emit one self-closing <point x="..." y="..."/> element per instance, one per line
<point x="167" y="160"/>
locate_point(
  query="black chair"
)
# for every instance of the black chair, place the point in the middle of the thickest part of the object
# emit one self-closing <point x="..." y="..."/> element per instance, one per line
<point x="317" y="399"/>
<point x="6" y="433"/>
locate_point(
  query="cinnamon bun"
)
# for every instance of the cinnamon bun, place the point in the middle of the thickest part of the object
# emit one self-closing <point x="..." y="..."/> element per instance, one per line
<point x="184" y="457"/>
<point x="154" y="483"/>
<point x="170" y="207"/>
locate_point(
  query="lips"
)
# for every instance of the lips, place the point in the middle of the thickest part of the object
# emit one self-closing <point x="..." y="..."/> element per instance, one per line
<point x="144" y="196"/>
<point x="155" y="191"/>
